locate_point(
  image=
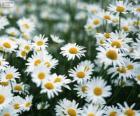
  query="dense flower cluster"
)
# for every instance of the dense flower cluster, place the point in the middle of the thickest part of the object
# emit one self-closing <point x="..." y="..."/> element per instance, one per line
<point x="60" y="76"/>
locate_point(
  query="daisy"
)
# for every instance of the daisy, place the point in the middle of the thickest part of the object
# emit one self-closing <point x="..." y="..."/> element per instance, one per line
<point x="43" y="105"/>
<point x="110" y="56"/>
<point x="128" y="110"/>
<point x="10" y="74"/>
<point x="67" y="108"/>
<point x="94" y="22"/>
<point x="5" y="96"/>
<point x="91" y="110"/>
<point x="18" y="87"/>
<point x="106" y="16"/>
<point x="8" y="44"/>
<point x="120" y="7"/>
<point x="22" y="53"/>
<point x="26" y="25"/>
<point x="79" y="74"/>
<point x="50" y="87"/>
<point x="27" y="103"/>
<point x="4" y="22"/>
<point x="56" y="39"/>
<point x="12" y="31"/>
<point x="16" y="104"/>
<point x="81" y="89"/>
<point x="87" y="65"/>
<point x="93" y="9"/>
<point x="112" y="111"/>
<point x="40" y="74"/>
<point x="40" y="42"/>
<point x="61" y="80"/>
<point x="125" y="71"/>
<point x="71" y="50"/>
<point x="97" y="91"/>
<point x="136" y="10"/>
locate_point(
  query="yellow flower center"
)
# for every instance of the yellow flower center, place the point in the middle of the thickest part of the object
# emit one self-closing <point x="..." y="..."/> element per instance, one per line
<point x="113" y="113"/>
<point x="40" y="43"/>
<point x="122" y="69"/>
<point x="130" y="67"/>
<point x="107" y="17"/>
<point x="9" y="76"/>
<point x="41" y="75"/>
<point x="7" y="45"/>
<point x="23" y="53"/>
<point x="80" y="74"/>
<point x="116" y="43"/>
<point x="84" y="89"/>
<point x="73" y="50"/>
<point x="2" y="99"/>
<point x="96" y="21"/>
<point x="49" y="85"/>
<point x="16" y="106"/>
<point x="28" y="104"/>
<point x="6" y="114"/>
<point x="130" y="112"/>
<point x="107" y="35"/>
<point x="91" y="114"/>
<point x="27" y="47"/>
<point x="102" y="41"/>
<point x="112" y="54"/>
<point x="125" y="28"/>
<point x="120" y="9"/>
<point x="4" y="83"/>
<point x="57" y="80"/>
<point x="98" y="91"/>
<point x="37" y="62"/>
<point x="72" y="112"/>
<point x="26" y="26"/>
<point x="18" y="88"/>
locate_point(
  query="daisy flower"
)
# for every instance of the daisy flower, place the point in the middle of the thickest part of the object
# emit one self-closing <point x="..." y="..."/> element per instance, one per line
<point x="97" y="91"/>
<point x="56" y="39"/>
<point x="91" y="110"/>
<point x="94" y="22"/>
<point x="136" y="10"/>
<point x="80" y="74"/>
<point x="18" y="87"/>
<point x="71" y="50"/>
<point x="27" y="103"/>
<point x="40" y="74"/>
<point x="10" y="74"/>
<point x="125" y="71"/>
<point x="26" y="25"/>
<point x="12" y="31"/>
<point x="50" y="87"/>
<point x="5" y="96"/>
<point x="42" y="105"/>
<point x="40" y="42"/>
<point x="8" y="44"/>
<point x="61" y="80"/>
<point x="16" y="104"/>
<point x="110" y="56"/>
<point x="128" y="110"/>
<point x="120" y="7"/>
<point x="67" y="108"/>
<point x="106" y="16"/>
<point x="112" y="111"/>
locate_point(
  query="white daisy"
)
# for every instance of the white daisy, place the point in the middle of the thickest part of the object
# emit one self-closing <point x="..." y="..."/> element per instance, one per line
<point x="26" y="25"/>
<point x="67" y="108"/>
<point x="71" y="50"/>
<point x="97" y="91"/>
<point x="4" y="22"/>
<point x="128" y="110"/>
